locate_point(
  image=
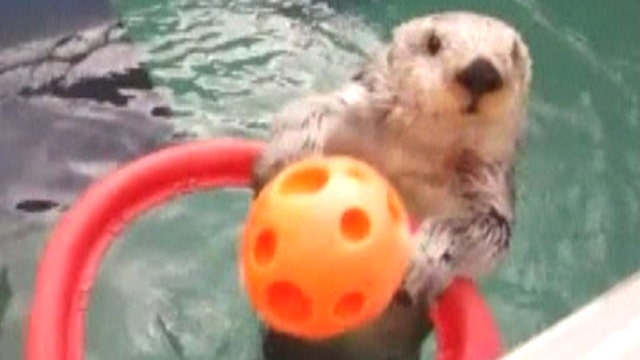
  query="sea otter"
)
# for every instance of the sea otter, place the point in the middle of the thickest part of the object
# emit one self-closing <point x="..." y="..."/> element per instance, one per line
<point x="440" y="112"/>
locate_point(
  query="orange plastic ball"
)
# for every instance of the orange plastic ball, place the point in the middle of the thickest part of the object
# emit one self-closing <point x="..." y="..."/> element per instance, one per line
<point x="325" y="247"/>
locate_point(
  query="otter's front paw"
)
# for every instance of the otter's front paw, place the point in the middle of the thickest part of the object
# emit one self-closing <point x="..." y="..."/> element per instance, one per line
<point x="431" y="269"/>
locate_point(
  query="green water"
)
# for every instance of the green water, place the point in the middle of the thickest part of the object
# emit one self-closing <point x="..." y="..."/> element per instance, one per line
<point x="170" y="291"/>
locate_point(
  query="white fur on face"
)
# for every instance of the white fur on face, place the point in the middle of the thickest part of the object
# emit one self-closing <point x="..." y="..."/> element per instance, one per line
<point x="463" y="37"/>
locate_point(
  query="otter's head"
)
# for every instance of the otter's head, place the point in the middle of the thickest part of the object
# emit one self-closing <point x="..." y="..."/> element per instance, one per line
<point x="460" y="65"/>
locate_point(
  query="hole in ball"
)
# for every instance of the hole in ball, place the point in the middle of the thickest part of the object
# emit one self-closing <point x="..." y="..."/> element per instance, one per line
<point x="349" y="305"/>
<point x="265" y="247"/>
<point x="355" y="224"/>
<point x="395" y="208"/>
<point x="288" y="301"/>
<point x="356" y="172"/>
<point x="305" y="181"/>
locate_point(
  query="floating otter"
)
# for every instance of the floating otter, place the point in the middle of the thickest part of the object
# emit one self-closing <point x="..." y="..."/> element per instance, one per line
<point x="439" y="112"/>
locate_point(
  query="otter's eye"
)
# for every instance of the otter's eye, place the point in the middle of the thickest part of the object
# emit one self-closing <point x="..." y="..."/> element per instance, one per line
<point x="515" y="52"/>
<point x="434" y="44"/>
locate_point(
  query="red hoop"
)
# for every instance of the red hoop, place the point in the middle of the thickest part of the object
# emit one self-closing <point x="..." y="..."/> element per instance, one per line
<point x="464" y="327"/>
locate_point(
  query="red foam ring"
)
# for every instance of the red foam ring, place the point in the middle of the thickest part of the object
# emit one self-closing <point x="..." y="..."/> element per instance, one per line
<point x="55" y="331"/>
<point x="464" y="326"/>
<point x="73" y="252"/>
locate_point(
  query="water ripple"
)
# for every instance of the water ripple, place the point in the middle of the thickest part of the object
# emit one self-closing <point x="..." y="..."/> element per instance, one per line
<point x="234" y="54"/>
<point x="229" y="64"/>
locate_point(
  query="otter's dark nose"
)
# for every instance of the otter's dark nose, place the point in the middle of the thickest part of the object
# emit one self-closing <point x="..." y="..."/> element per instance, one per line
<point x="480" y="77"/>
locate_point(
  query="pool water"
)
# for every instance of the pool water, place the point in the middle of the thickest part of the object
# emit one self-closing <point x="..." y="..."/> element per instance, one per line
<point x="169" y="290"/>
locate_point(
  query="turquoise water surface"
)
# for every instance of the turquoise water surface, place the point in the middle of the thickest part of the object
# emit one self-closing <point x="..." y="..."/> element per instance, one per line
<point x="230" y="64"/>
<point x="170" y="290"/>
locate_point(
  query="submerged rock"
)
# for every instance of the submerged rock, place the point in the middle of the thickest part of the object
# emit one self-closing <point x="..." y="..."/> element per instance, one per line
<point x="71" y="108"/>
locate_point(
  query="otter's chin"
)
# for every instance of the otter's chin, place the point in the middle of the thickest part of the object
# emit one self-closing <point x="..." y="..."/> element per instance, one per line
<point x="489" y="105"/>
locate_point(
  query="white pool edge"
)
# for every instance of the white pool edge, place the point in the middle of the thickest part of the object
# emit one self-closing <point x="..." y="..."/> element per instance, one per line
<point x="606" y="328"/>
